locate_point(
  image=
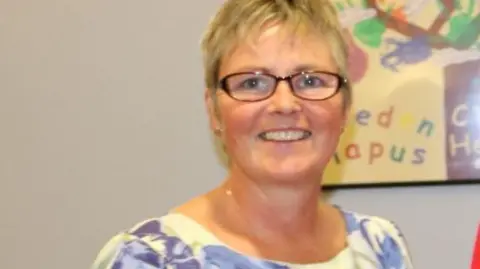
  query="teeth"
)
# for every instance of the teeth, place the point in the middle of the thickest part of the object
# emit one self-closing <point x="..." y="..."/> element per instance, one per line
<point x="285" y="135"/>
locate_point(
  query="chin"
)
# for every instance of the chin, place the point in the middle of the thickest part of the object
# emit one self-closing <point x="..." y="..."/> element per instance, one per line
<point x="290" y="169"/>
<point x="290" y="177"/>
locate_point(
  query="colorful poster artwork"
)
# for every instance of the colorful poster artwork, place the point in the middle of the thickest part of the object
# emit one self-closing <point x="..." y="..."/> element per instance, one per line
<point x="415" y="69"/>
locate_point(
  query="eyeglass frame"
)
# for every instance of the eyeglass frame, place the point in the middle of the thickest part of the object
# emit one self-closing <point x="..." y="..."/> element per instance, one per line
<point x="222" y="84"/>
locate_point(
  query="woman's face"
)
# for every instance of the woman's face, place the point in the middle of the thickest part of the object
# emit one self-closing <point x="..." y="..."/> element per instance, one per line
<point x="315" y="125"/>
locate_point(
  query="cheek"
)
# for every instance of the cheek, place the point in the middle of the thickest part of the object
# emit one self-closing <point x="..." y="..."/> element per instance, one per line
<point x="333" y="121"/>
<point x="328" y="117"/>
<point x="238" y="120"/>
<point x="328" y="130"/>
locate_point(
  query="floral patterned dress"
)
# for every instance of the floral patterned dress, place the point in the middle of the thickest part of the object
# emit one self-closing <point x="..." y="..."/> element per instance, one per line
<point x="177" y="241"/>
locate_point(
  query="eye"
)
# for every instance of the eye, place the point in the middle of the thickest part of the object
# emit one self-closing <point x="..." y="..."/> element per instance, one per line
<point x="315" y="81"/>
<point x="255" y="83"/>
<point x="249" y="82"/>
<point x="309" y="81"/>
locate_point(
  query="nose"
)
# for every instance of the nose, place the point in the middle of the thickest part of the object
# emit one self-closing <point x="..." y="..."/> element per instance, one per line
<point x="283" y="100"/>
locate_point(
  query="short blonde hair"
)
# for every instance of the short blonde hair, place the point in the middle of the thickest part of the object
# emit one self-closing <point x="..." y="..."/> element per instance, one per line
<point x="238" y="20"/>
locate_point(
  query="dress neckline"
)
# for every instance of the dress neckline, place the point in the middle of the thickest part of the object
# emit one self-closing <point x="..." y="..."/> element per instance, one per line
<point x="344" y="257"/>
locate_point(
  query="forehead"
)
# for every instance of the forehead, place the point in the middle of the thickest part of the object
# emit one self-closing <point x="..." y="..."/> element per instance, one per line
<point x="281" y="51"/>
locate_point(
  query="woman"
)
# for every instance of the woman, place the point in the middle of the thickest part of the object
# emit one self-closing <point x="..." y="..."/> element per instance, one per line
<point x="278" y="99"/>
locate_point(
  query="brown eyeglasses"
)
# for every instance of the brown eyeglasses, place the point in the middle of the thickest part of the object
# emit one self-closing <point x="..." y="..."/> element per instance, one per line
<point x="257" y="86"/>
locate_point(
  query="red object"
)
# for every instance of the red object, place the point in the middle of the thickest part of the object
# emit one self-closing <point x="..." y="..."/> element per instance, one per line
<point x="476" y="252"/>
<point x="399" y="13"/>
<point x="358" y="60"/>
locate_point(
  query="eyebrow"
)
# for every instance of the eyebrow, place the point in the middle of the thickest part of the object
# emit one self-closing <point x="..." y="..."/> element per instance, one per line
<point x="298" y="68"/>
<point x="309" y="67"/>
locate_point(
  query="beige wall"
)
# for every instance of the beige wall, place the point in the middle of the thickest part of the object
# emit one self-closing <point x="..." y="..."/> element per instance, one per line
<point x="102" y="124"/>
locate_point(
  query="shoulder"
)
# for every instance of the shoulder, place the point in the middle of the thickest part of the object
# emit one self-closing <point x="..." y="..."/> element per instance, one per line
<point x="357" y="221"/>
<point x="150" y="244"/>
<point x="383" y="236"/>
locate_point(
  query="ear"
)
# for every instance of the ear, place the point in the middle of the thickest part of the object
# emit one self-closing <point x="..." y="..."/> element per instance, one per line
<point x="212" y="111"/>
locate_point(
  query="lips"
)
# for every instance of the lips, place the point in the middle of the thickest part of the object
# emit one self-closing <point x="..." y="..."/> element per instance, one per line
<point x="285" y="135"/>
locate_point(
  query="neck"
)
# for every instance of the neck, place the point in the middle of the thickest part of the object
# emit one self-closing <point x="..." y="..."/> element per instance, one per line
<point x="271" y="210"/>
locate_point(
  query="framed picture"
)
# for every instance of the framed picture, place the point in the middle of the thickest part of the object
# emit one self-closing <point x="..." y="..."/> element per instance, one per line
<point x="415" y="71"/>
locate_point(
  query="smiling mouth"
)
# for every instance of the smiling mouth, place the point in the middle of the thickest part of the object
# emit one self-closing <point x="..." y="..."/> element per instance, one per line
<point x="285" y="136"/>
